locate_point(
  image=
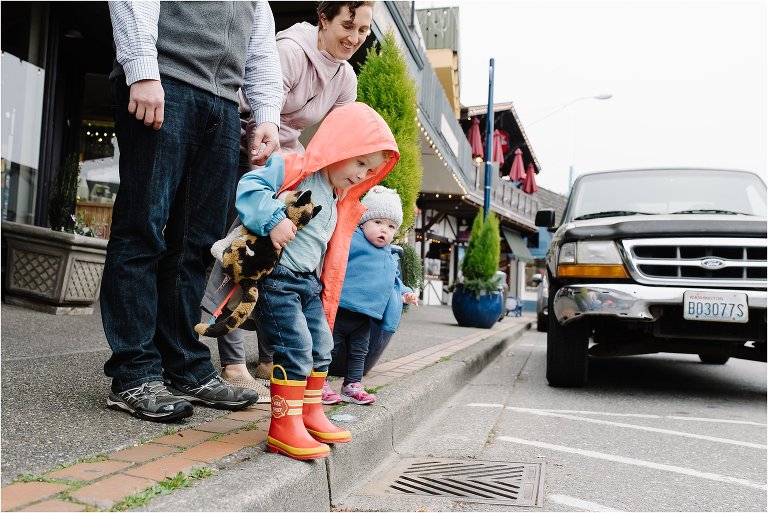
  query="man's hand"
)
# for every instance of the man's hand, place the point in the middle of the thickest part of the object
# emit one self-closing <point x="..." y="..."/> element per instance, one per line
<point x="283" y="233"/>
<point x="265" y="141"/>
<point x="411" y="299"/>
<point x="147" y="102"/>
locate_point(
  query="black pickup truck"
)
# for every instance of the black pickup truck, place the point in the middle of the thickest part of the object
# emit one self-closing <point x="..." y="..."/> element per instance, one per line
<point x="657" y="260"/>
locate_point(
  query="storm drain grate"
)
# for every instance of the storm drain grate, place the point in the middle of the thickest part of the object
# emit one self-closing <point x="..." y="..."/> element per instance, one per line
<point x="491" y="482"/>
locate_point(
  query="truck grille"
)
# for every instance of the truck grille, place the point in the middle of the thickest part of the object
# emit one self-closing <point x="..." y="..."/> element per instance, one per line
<point x="700" y="262"/>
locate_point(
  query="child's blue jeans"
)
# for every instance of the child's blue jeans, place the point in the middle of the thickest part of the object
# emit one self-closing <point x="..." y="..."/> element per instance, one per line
<point x="290" y="317"/>
<point x="351" y="337"/>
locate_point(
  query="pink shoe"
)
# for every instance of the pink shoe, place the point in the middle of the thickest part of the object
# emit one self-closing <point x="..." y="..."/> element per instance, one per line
<point x="329" y="396"/>
<point x="354" y="393"/>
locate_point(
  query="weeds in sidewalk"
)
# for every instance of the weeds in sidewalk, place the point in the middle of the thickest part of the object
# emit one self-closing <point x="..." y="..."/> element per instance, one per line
<point x="168" y="485"/>
<point x="444" y="359"/>
<point x="373" y="390"/>
<point x="170" y="430"/>
<point x="87" y="459"/>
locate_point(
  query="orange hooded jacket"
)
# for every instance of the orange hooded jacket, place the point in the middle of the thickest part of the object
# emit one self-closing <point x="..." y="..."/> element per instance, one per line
<point x="349" y="131"/>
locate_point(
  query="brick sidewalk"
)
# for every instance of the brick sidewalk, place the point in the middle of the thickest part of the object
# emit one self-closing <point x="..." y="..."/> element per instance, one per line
<point x="124" y="478"/>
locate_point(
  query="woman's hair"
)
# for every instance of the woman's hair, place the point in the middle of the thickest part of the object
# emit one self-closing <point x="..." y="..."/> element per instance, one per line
<point x="331" y="9"/>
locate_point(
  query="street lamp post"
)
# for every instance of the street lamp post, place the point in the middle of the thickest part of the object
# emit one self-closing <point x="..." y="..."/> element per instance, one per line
<point x="603" y="96"/>
<point x="488" y="142"/>
<point x="568" y="104"/>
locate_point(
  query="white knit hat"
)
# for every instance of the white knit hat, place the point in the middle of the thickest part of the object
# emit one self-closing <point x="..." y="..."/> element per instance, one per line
<point x="383" y="203"/>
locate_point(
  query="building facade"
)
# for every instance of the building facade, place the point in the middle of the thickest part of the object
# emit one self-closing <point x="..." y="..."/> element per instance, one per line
<point x="56" y="101"/>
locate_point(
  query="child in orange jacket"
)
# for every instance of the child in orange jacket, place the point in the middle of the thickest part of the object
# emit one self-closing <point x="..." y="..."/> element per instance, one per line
<point x="352" y="150"/>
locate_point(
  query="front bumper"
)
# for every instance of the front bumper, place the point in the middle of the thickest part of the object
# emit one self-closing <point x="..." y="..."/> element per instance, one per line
<point x="627" y="301"/>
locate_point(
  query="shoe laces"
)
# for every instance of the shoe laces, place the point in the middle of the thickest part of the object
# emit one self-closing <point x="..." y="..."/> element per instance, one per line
<point x="217" y="381"/>
<point x="151" y="388"/>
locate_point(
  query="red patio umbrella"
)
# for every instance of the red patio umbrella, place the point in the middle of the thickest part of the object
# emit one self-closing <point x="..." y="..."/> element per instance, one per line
<point x="517" y="172"/>
<point x="498" y="150"/>
<point x="529" y="184"/>
<point x="475" y="140"/>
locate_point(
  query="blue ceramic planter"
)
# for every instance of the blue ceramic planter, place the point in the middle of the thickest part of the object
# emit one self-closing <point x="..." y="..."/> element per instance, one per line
<point x="482" y="312"/>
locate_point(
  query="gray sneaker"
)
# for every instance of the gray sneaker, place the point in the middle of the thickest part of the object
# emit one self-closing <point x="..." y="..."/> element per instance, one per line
<point x="216" y="393"/>
<point x="150" y="401"/>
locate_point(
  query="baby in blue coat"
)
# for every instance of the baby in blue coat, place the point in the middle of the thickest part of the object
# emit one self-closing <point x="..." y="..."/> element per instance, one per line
<point x="372" y="289"/>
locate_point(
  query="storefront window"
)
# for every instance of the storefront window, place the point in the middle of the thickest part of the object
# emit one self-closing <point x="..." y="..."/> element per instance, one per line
<point x="22" y="107"/>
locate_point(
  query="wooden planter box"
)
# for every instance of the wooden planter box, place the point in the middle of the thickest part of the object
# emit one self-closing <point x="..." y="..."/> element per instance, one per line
<point x="55" y="272"/>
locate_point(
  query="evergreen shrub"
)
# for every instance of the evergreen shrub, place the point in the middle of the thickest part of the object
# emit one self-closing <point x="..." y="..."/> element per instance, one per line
<point x="63" y="195"/>
<point x="385" y="84"/>
<point x="413" y="272"/>
<point x="481" y="258"/>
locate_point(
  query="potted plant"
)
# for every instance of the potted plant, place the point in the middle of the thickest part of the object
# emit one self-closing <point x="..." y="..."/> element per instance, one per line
<point x="56" y="270"/>
<point x="477" y="300"/>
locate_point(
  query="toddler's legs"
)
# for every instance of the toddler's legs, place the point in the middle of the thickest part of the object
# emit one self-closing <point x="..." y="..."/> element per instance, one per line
<point x="356" y="330"/>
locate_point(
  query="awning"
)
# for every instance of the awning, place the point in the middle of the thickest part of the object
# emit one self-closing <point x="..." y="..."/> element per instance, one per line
<point x="517" y="245"/>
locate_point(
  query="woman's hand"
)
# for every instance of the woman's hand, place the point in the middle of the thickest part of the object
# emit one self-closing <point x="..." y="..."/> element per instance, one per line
<point x="283" y="233"/>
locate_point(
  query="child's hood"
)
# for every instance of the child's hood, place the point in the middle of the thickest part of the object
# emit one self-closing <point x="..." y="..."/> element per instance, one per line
<point x="349" y="131"/>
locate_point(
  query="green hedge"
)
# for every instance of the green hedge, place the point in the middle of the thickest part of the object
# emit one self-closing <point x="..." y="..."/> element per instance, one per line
<point x="385" y="84"/>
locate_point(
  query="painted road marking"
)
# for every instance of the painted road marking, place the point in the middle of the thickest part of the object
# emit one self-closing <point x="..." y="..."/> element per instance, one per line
<point x="636" y="415"/>
<point x="641" y="428"/>
<point x="573" y="502"/>
<point x="641" y="463"/>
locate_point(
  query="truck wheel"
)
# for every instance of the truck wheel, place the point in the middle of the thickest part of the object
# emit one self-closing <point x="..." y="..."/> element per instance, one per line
<point x="714" y="360"/>
<point x="567" y="352"/>
<point x="541" y="323"/>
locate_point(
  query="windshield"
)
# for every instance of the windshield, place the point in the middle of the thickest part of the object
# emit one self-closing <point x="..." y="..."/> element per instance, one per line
<point x="667" y="191"/>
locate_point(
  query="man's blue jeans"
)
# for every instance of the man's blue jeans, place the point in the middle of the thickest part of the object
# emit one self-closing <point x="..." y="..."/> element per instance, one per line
<point x="175" y="185"/>
<point x="290" y="317"/>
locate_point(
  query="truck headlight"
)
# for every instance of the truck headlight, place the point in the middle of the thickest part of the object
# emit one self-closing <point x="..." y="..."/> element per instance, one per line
<point x="590" y="259"/>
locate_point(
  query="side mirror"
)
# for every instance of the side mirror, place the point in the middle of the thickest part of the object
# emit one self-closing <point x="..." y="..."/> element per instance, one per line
<point x="536" y="278"/>
<point x="545" y="218"/>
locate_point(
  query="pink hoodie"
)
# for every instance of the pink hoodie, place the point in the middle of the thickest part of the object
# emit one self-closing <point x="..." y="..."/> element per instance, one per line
<point x="314" y="83"/>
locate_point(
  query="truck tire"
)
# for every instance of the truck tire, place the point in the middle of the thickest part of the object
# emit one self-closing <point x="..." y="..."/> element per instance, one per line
<point x="567" y="348"/>
<point x="541" y="323"/>
<point x="713" y="360"/>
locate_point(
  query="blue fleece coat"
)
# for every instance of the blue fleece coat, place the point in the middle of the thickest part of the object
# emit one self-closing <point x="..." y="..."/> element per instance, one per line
<point x="372" y="284"/>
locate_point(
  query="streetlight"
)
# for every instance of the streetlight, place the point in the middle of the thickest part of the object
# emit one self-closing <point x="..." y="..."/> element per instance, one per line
<point x="568" y="104"/>
<point x="603" y="96"/>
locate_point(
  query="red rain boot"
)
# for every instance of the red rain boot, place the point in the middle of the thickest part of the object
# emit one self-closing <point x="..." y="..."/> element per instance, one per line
<point x="315" y="421"/>
<point x="287" y="433"/>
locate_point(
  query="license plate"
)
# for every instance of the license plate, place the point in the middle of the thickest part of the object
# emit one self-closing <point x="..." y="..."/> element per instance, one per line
<point x="715" y="306"/>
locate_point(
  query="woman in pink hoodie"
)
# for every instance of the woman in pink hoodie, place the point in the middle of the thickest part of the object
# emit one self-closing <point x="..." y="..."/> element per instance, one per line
<point x="316" y="79"/>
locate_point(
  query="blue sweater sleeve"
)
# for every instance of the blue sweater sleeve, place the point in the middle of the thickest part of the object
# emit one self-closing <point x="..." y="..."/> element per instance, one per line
<point x="256" y="197"/>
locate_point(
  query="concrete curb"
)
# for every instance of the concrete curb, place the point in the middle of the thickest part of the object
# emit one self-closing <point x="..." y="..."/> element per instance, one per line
<point x="276" y="483"/>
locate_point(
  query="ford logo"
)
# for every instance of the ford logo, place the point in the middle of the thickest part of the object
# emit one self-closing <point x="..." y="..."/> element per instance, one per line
<point x="712" y="263"/>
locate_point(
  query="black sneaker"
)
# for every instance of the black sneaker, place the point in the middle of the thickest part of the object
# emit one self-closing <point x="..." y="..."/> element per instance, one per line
<point x="150" y="401"/>
<point x="216" y="393"/>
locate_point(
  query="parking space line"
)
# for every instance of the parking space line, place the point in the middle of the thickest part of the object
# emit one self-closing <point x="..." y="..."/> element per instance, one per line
<point x="724" y="421"/>
<point x="547" y="413"/>
<point x="639" y="415"/>
<point x="641" y="463"/>
<point x="573" y="502"/>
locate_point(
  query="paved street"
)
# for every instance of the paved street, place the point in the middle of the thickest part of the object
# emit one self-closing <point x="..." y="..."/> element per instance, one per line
<point x="649" y="433"/>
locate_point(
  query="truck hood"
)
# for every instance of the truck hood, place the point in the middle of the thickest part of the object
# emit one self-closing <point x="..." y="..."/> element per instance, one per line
<point x="647" y="226"/>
